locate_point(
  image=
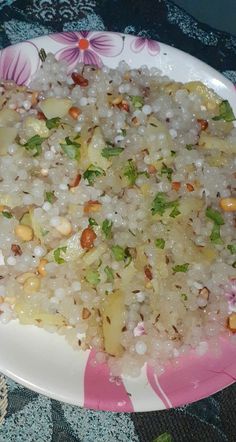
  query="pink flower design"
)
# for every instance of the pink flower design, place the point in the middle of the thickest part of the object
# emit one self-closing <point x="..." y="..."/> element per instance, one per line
<point x="88" y="47"/>
<point x="139" y="329"/>
<point x="140" y="43"/>
<point x="230" y="294"/>
<point x="19" y="62"/>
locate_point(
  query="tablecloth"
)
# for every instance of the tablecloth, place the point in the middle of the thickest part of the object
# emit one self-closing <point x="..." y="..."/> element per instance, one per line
<point x="31" y="417"/>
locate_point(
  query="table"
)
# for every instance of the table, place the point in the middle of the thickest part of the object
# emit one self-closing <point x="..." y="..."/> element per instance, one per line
<point x="34" y="418"/>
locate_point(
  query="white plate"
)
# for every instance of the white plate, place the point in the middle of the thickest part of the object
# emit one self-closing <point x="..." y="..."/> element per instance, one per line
<point x="44" y="362"/>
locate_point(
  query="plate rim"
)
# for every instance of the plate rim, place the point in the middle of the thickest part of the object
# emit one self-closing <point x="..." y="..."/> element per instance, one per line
<point x="229" y="86"/>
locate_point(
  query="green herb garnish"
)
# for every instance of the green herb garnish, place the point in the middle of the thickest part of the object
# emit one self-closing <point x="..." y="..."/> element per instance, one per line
<point x="226" y="112"/>
<point x="215" y="235"/>
<point x="215" y="216"/>
<point x="175" y="212"/>
<point x="92" y="172"/>
<point x="232" y="248"/>
<point x="123" y="132"/>
<point x="34" y="144"/>
<point x="189" y="146"/>
<point x="49" y="197"/>
<point x="92" y="276"/>
<point x="57" y="255"/>
<point x="108" y="152"/>
<point x="6" y="214"/>
<point x="167" y="171"/>
<point x="131" y="172"/>
<point x="160" y="204"/>
<point x="184" y="296"/>
<point x="106" y="228"/>
<point x="173" y="153"/>
<point x="181" y="268"/>
<point x="109" y="273"/>
<point x="160" y="243"/>
<point x="164" y="437"/>
<point x="42" y="54"/>
<point x="234" y="265"/>
<point x="137" y="101"/>
<point x="119" y="253"/>
<point x="71" y="148"/>
<point x="53" y="123"/>
<point x="92" y="222"/>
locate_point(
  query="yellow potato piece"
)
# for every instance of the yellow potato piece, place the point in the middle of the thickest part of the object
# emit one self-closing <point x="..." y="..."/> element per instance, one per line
<point x="209" y="97"/>
<point x="55" y="107"/>
<point x="113" y="322"/>
<point x="27" y="315"/>
<point x="33" y="126"/>
<point x="9" y="117"/>
<point x="7" y="137"/>
<point x="211" y="142"/>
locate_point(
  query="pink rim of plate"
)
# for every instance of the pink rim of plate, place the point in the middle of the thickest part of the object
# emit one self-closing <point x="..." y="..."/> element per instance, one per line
<point x="194" y="377"/>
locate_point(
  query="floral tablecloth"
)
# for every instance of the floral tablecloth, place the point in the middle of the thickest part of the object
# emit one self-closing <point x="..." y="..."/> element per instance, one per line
<point x="26" y="416"/>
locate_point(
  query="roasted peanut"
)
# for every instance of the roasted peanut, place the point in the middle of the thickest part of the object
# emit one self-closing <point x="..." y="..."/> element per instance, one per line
<point x="228" y="204"/>
<point x="25" y="233"/>
<point x="87" y="238"/>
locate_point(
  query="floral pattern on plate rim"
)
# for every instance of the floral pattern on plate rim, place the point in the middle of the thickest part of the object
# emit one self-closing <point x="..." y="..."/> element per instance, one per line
<point x="88" y="47"/>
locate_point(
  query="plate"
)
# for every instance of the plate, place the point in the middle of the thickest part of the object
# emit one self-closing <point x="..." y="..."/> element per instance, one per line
<point x="44" y="362"/>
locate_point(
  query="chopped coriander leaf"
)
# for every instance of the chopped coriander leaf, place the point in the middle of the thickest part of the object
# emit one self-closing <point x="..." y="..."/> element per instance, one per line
<point x="226" y="112"/>
<point x="121" y="254"/>
<point x="106" y="228"/>
<point x="215" y="235"/>
<point x="71" y="148"/>
<point x="123" y="132"/>
<point x="42" y="54"/>
<point x="7" y="214"/>
<point x="92" y="172"/>
<point x="184" y="296"/>
<point x="181" y="268"/>
<point x="137" y="101"/>
<point x="154" y="125"/>
<point x="118" y="252"/>
<point x="173" y="153"/>
<point x="34" y="144"/>
<point x="57" y="255"/>
<point x="189" y="146"/>
<point x="53" y="123"/>
<point x="49" y="197"/>
<point x="108" y="152"/>
<point x="234" y="265"/>
<point x="232" y="248"/>
<point x="160" y="243"/>
<point x="92" y="222"/>
<point x="175" y="212"/>
<point x="109" y="273"/>
<point x="215" y="216"/>
<point x="131" y="172"/>
<point x="166" y="171"/>
<point x="145" y="173"/>
<point x="160" y="204"/>
<point x="164" y="437"/>
<point x="92" y="276"/>
<point x="128" y="257"/>
<point x="69" y="142"/>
